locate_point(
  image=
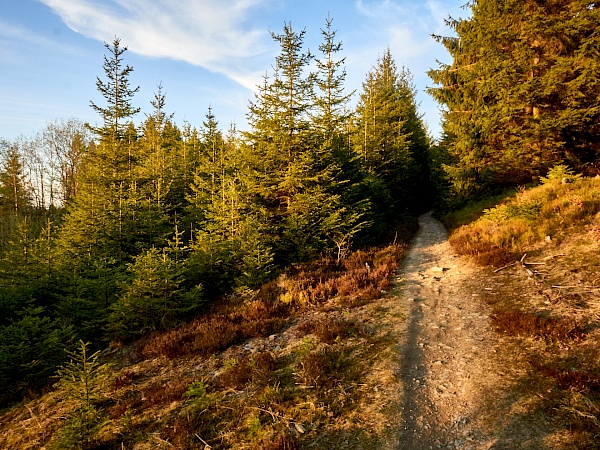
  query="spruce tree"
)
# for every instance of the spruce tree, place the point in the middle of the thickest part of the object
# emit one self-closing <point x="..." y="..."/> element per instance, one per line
<point x="292" y="154"/>
<point x="334" y="161"/>
<point x="102" y="230"/>
<point x="82" y="382"/>
<point x="117" y="93"/>
<point x="519" y="95"/>
<point x="388" y="136"/>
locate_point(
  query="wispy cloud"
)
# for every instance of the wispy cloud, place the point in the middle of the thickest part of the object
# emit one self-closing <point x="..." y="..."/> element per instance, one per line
<point x="17" y="33"/>
<point x="215" y="35"/>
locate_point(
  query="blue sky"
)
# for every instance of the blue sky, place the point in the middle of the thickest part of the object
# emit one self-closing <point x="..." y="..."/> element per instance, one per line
<point x="204" y="52"/>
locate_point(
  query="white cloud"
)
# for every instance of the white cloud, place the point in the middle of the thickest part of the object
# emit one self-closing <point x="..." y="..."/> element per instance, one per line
<point x="212" y="34"/>
<point x="21" y="34"/>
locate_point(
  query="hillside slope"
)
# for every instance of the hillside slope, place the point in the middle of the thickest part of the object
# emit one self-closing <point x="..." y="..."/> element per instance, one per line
<point x="431" y="352"/>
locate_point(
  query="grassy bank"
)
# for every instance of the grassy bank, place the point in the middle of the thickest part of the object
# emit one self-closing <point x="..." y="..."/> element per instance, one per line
<point x="542" y="247"/>
<point x="287" y="366"/>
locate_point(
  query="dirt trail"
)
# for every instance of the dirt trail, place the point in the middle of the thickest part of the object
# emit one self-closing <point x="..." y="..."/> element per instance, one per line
<point x="457" y="379"/>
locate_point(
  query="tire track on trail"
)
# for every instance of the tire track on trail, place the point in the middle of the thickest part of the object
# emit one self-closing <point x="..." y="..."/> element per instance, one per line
<point x="454" y="390"/>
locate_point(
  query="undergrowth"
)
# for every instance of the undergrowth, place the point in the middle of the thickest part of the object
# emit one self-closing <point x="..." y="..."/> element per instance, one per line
<point x="549" y="306"/>
<point x="547" y="213"/>
<point x="198" y="386"/>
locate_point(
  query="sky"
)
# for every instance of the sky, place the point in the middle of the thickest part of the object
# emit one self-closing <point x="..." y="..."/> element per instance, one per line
<point x="204" y="53"/>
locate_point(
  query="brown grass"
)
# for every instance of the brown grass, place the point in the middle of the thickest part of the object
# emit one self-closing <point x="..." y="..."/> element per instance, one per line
<point x="327" y="329"/>
<point x="555" y="301"/>
<point x="552" y="329"/>
<point x="258" y="368"/>
<point x="505" y="231"/>
<point x="208" y="335"/>
<point x="324" y="368"/>
<point x="358" y="280"/>
<point x="259" y="400"/>
<point x="283" y="441"/>
<point x="571" y="378"/>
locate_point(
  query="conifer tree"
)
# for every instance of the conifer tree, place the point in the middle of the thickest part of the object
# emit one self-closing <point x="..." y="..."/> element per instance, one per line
<point x="116" y="92"/>
<point x="101" y="220"/>
<point x="334" y="160"/>
<point x="388" y="134"/>
<point x="228" y="249"/>
<point x="103" y="225"/>
<point x="155" y="297"/>
<point x="519" y="95"/>
<point x="294" y="170"/>
<point x="82" y="382"/>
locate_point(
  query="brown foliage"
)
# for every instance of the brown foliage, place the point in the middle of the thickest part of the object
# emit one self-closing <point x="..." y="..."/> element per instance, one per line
<point x="125" y="378"/>
<point x="324" y="368"/>
<point x="258" y="368"/>
<point x="164" y="393"/>
<point x="228" y="325"/>
<point x="473" y="243"/>
<point x="282" y="442"/>
<point x="327" y="329"/>
<point x="551" y="329"/>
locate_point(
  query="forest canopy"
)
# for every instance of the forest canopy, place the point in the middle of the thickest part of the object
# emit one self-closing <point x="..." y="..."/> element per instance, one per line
<point x="521" y="94"/>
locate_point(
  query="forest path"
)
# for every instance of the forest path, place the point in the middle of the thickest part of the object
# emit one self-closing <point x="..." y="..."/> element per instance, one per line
<point x="460" y="382"/>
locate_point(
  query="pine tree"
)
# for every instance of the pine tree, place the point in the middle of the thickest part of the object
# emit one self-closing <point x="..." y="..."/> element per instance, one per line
<point x="116" y="92"/>
<point x="296" y="150"/>
<point x="333" y="159"/>
<point x="520" y="94"/>
<point x="82" y="383"/>
<point x="388" y="134"/>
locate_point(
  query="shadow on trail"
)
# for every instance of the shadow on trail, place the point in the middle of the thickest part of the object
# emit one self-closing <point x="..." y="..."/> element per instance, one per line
<point x="413" y="370"/>
<point x="487" y="403"/>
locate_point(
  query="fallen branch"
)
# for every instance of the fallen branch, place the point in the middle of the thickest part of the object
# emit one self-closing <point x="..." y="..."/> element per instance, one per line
<point x="505" y="267"/>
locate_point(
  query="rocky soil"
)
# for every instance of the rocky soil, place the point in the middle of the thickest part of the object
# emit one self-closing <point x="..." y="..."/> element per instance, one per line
<point x="461" y="381"/>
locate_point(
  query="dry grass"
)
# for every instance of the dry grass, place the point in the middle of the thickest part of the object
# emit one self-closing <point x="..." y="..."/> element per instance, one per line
<point x="230" y="380"/>
<point x="550" y="300"/>
<point x="548" y="212"/>
<point x="551" y="329"/>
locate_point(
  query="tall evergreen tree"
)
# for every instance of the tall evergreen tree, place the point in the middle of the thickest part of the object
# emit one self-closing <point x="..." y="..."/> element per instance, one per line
<point x="519" y="95"/>
<point x="334" y="161"/>
<point x="101" y="230"/>
<point x="117" y="93"/>
<point x="280" y="142"/>
<point x="388" y="136"/>
<point x="295" y="148"/>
